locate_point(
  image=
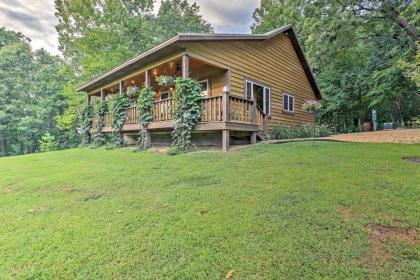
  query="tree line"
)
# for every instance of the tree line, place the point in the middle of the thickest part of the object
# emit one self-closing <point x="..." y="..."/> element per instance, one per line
<point x="364" y="55"/>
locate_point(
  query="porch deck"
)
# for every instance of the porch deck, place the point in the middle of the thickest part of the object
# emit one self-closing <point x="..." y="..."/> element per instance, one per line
<point x="223" y="112"/>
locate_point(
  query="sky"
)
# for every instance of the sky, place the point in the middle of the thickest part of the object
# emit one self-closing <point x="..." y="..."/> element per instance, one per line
<point x="36" y="20"/>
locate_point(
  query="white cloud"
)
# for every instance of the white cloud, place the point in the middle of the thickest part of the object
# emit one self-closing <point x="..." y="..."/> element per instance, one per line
<point x="36" y="20"/>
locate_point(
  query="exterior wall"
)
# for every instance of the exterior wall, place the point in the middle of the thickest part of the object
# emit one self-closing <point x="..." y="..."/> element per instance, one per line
<point x="272" y="62"/>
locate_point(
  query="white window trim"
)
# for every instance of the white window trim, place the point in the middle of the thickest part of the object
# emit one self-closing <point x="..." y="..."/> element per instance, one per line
<point x="288" y="102"/>
<point x="166" y="91"/>
<point x="252" y="94"/>
<point x="208" y="86"/>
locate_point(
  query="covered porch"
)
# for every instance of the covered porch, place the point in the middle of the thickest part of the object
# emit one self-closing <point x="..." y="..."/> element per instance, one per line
<point x="220" y="110"/>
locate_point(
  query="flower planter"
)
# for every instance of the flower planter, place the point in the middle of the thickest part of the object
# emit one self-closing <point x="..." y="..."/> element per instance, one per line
<point x="367" y="126"/>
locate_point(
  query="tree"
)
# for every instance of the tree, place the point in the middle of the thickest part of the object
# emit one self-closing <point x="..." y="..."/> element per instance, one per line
<point x="362" y="53"/>
<point x="30" y="93"/>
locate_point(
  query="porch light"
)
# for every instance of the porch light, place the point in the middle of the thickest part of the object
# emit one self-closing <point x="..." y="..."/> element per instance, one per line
<point x="225" y="89"/>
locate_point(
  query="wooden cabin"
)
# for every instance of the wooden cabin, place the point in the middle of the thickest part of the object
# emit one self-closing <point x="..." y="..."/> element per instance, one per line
<point x="250" y="84"/>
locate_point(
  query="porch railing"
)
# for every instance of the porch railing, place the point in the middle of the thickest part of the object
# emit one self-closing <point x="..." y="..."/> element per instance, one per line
<point x="163" y="110"/>
<point x="131" y="116"/>
<point x="214" y="109"/>
<point x="240" y="109"/>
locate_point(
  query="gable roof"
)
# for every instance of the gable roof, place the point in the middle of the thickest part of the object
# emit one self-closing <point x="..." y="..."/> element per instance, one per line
<point x="170" y="46"/>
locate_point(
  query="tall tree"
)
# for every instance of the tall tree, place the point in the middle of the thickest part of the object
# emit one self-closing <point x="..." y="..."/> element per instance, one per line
<point x="362" y="52"/>
<point x="30" y="93"/>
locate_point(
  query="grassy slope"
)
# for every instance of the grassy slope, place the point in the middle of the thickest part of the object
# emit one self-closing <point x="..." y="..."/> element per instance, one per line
<point x="269" y="212"/>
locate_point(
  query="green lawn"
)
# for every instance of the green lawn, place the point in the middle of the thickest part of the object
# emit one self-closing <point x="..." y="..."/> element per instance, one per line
<point x="269" y="212"/>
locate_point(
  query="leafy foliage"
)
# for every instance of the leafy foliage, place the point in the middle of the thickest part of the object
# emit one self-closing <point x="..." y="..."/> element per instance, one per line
<point x="132" y="91"/>
<point x="118" y="105"/>
<point x="302" y="131"/>
<point x="165" y="81"/>
<point x="362" y="52"/>
<point x="47" y="143"/>
<point x="187" y="111"/>
<point x="99" y="138"/>
<point x="86" y="125"/>
<point x="30" y="95"/>
<point x="145" y="110"/>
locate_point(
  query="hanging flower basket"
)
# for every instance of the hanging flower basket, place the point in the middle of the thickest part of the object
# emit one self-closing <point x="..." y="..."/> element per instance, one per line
<point x="165" y="81"/>
<point x="132" y="91"/>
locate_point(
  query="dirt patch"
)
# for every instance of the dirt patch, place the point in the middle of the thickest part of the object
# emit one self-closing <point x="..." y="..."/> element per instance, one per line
<point x="412" y="159"/>
<point x="346" y="213"/>
<point x="93" y="196"/>
<point x="8" y="190"/>
<point x="380" y="236"/>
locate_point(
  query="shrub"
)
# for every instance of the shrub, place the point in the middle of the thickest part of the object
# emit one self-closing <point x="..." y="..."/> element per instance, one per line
<point x="47" y="143"/>
<point x="302" y="131"/>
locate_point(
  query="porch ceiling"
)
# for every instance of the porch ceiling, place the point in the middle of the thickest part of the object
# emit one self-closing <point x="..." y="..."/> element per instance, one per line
<point x="129" y="67"/>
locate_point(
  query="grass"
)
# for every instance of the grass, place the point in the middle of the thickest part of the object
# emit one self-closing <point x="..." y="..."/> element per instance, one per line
<point x="291" y="211"/>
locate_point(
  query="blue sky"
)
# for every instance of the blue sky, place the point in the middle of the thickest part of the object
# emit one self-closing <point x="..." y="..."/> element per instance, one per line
<point x="35" y="18"/>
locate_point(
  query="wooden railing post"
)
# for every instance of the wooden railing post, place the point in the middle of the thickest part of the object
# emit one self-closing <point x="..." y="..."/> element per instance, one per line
<point x="254" y="112"/>
<point x="225" y="106"/>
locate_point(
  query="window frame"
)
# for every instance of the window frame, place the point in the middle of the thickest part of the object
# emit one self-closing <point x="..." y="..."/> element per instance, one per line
<point x="265" y="87"/>
<point x="208" y="87"/>
<point x="288" y="96"/>
<point x="166" y="91"/>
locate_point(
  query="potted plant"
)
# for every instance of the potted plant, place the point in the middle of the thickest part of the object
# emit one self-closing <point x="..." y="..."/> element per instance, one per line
<point x="165" y="81"/>
<point x="132" y="91"/>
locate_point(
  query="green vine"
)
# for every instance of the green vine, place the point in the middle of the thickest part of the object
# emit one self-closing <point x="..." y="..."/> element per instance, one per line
<point x="85" y="124"/>
<point x="144" y="109"/>
<point x="99" y="138"/>
<point x="187" y="113"/>
<point x="118" y="105"/>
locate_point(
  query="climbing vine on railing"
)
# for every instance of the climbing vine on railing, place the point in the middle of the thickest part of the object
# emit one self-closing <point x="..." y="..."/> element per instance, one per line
<point x="118" y="105"/>
<point x="187" y="111"/>
<point x="145" y="112"/>
<point x="85" y="124"/>
<point x="99" y="138"/>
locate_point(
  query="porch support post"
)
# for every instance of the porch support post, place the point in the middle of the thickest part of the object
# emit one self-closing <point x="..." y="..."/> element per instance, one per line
<point x="185" y="66"/>
<point x="148" y="136"/>
<point x="103" y="95"/>
<point x="121" y="87"/>
<point x="253" y="137"/>
<point x="228" y="79"/>
<point x="89" y="99"/>
<point x="225" y="139"/>
<point x="147" y="81"/>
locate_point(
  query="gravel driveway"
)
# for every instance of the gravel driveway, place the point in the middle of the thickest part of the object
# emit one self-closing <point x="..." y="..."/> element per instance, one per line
<point x="404" y="136"/>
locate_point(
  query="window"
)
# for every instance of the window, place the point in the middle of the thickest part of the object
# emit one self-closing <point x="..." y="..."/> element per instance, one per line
<point x="164" y="95"/>
<point x="261" y="94"/>
<point x="288" y="103"/>
<point x="204" y="88"/>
